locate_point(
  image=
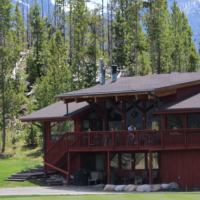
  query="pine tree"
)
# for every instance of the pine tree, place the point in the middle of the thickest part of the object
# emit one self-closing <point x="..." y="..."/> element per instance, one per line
<point x="119" y="51"/>
<point x="34" y="66"/>
<point x="31" y="131"/>
<point x="10" y="100"/>
<point x="57" y="78"/>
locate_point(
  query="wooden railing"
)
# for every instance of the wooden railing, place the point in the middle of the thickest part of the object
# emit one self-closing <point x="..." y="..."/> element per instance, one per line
<point x="124" y="140"/>
<point x="57" y="150"/>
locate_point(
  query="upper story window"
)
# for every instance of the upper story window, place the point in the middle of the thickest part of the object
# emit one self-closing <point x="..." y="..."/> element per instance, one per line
<point x="174" y="121"/>
<point x="57" y="129"/>
<point x="193" y="121"/>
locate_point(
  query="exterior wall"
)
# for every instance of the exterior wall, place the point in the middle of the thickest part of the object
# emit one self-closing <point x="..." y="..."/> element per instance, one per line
<point x="182" y="92"/>
<point x="49" y="143"/>
<point x="184" y="164"/>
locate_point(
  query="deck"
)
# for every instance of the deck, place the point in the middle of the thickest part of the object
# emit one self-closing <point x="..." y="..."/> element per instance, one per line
<point x="128" y="140"/>
<point x="70" y="143"/>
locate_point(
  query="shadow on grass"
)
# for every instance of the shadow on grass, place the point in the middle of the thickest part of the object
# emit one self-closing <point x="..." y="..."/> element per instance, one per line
<point x="28" y="147"/>
<point x="6" y="156"/>
<point x="35" y="182"/>
<point x="35" y="154"/>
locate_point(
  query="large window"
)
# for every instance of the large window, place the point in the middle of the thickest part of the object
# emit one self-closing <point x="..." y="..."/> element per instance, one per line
<point x="153" y="122"/>
<point x="57" y="129"/>
<point x="113" y="161"/>
<point x="193" y="121"/>
<point x="154" y="160"/>
<point x="100" y="161"/>
<point x="140" y="161"/>
<point x="174" y="121"/>
<point x="114" y="117"/>
<point x="133" y="116"/>
<point x="126" y="161"/>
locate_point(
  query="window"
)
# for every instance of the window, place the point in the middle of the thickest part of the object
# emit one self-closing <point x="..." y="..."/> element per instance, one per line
<point x="154" y="160"/>
<point x="126" y="161"/>
<point x="153" y="121"/>
<point x="57" y="129"/>
<point x="114" y="117"/>
<point x="174" y="121"/>
<point x="139" y="161"/>
<point x="133" y="116"/>
<point x="113" y="161"/>
<point x="100" y="161"/>
<point x="86" y="125"/>
<point x="193" y="121"/>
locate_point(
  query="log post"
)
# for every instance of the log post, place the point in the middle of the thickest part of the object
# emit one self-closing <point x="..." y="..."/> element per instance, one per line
<point x="150" y="168"/>
<point x="108" y="166"/>
<point x="68" y="166"/>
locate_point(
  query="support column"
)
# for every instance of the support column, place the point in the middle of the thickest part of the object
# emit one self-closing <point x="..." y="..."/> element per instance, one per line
<point x="124" y="115"/>
<point x="150" y="168"/>
<point x="68" y="167"/>
<point x="108" y="166"/>
<point x="144" y="114"/>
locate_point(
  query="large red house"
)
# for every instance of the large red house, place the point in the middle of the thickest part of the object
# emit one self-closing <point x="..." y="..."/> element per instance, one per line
<point x="89" y="128"/>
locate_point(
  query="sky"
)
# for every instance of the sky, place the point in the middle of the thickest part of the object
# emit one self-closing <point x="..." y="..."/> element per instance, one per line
<point x="91" y="4"/>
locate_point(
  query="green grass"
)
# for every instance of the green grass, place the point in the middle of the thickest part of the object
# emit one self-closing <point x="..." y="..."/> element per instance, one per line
<point x="14" y="160"/>
<point x="159" y="196"/>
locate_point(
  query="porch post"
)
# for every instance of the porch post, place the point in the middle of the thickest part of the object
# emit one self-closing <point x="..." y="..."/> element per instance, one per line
<point x="150" y="168"/>
<point x="144" y="114"/>
<point x="108" y="166"/>
<point x="68" y="167"/>
<point x="123" y="114"/>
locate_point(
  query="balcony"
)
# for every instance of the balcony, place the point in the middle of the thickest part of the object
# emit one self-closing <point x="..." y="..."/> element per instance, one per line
<point x="130" y="140"/>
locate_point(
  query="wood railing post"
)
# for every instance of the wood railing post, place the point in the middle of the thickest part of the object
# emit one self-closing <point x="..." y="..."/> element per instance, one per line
<point x="67" y="145"/>
<point x="113" y="145"/>
<point x="137" y="136"/>
<point x="162" y="142"/>
<point x="185" y="133"/>
<point x="89" y="140"/>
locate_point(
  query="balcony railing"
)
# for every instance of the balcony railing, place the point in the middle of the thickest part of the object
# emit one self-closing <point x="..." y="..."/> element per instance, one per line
<point x="133" y="140"/>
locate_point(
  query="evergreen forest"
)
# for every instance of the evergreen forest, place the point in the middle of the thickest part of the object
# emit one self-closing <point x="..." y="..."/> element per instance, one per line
<point x="45" y="55"/>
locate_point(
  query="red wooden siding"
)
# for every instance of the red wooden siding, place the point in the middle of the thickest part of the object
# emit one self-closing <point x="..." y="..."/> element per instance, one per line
<point x="184" y="164"/>
<point x="180" y="93"/>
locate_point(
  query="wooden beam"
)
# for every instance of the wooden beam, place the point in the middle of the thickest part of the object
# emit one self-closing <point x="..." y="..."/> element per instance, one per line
<point x="79" y="100"/>
<point x="106" y="95"/>
<point x="68" y="100"/>
<point x="114" y="106"/>
<point x="141" y="96"/>
<point x="98" y="99"/>
<point x="93" y="105"/>
<point x="153" y="102"/>
<point x="121" y="98"/>
<point x="134" y="104"/>
<point x="162" y="94"/>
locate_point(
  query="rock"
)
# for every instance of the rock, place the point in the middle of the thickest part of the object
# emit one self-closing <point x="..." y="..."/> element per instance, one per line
<point x="173" y="185"/>
<point x="144" y="188"/>
<point x="165" y="186"/>
<point x="156" y="188"/>
<point x="120" y="188"/>
<point x="130" y="188"/>
<point x="109" y="187"/>
<point x="99" y="187"/>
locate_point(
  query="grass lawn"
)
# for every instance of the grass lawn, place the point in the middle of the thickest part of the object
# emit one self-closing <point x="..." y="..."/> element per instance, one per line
<point x="161" y="196"/>
<point x="14" y="160"/>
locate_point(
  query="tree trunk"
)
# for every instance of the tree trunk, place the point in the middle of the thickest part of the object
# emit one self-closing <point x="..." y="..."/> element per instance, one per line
<point x="152" y="53"/>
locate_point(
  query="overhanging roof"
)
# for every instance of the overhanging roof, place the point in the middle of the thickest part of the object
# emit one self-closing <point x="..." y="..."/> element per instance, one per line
<point x="57" y="111"/>
<point x="139" y="84"/>
<point x="188" y="103"/>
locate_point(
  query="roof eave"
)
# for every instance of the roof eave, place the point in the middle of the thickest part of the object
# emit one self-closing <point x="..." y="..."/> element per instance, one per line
<point x="101" y="93"/>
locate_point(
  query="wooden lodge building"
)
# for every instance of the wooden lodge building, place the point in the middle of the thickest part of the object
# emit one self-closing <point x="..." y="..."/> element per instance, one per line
<point x="88" y="129"/>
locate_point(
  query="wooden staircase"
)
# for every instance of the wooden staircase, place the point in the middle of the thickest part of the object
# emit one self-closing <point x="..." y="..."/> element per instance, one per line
<point x="57" y="156"/>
